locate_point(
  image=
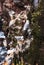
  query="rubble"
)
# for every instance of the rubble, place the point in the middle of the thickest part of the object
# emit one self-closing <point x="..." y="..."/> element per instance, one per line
<point x="17" y="21"/>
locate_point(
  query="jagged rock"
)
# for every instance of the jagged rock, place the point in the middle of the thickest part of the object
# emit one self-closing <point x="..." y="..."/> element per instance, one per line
<point x="5" y="43"/>
<point x="19" y="37"/>
<point x="28" y="7"/>
<point x="11" y="22"/>
<point x="36" y="2"/>
<point x="16" y="1"/>
<point x="11" y="13"/>
<point x="2" y="35"/>
<point x="26" y="25"/>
